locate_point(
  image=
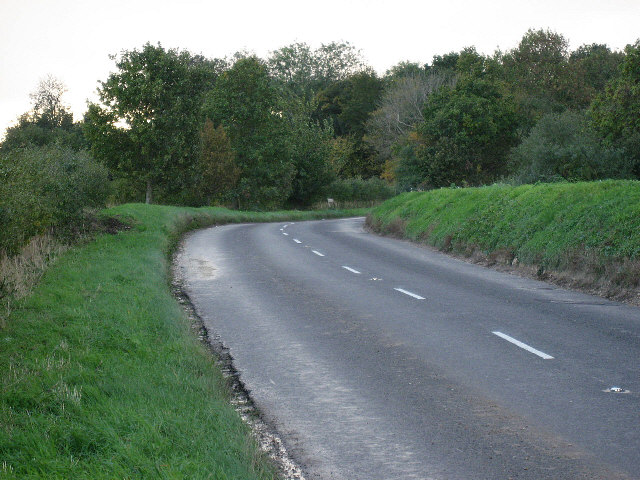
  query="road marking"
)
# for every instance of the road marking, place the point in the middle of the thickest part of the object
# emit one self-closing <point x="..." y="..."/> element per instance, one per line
<point x="318" y="253"/>
<point x="296" y="240"/>
<point x="285" y="233"/>
<point x="406" y="292"/>
<point x="350" y="269"/>
<point x="523" y="345"/>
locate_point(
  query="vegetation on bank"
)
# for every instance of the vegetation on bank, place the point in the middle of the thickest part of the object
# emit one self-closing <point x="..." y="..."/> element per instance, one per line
<point x="103" y="376"/>
<point x="588" y="229"/>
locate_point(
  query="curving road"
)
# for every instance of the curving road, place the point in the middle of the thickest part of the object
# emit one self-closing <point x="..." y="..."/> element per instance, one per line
<point x="378" y="359"/>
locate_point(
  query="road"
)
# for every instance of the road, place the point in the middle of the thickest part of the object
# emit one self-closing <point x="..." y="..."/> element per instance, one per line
<point x="378" y="359"/>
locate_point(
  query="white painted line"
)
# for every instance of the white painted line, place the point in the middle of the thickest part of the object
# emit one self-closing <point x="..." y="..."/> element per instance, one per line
<point x="282" y="229"/>
<point x="285" y="233"/>
<point x="401" y="290"/>
<point x="296" y="240"/>
<point x="523" y="345"/>
<point x="350" y="269"/>
<point x="318" y="253"/>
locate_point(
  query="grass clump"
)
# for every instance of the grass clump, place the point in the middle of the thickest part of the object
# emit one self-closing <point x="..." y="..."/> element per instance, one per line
<point x="102" y="376"/>
<point x="590" y="230"/>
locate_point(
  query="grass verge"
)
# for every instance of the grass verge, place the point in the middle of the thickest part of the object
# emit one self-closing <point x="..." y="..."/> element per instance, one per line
<point x="584" y="235"/>
<point x="102" y="376"/>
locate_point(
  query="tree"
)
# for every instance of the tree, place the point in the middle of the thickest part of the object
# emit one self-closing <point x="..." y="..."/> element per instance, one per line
<point x="218" y="173"/>
<point x="48" y="108"/>
<point x="310" y="146"/>
<point x="148" y="125"/>
<point x="401" y="109"/>
<point x="615" y="113"/>
<point x="562" y="147"/>
<point x="247" y="105"/>
<point x="348" y="104"/>
<point x="48" y="122"/>
<point x="305" y="71"/>
<point x="464" y="138"/>
<point x="591" y="68"/>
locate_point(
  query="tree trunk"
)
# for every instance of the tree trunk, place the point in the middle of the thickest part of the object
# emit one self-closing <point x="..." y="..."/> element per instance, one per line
<point x="149" y="197"/>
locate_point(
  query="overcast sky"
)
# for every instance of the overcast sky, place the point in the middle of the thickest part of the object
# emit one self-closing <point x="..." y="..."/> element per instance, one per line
<point x="72" y="39"/>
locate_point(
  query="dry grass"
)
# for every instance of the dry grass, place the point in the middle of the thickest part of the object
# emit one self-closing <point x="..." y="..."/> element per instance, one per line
<point x="21" y="272"/>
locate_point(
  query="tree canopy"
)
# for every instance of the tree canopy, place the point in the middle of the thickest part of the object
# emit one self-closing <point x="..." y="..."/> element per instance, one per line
<point x="149" y="121"/>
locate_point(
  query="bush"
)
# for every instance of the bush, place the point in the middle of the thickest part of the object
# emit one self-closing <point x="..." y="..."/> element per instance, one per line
<point x="46" y="189"/>
<point x="359" y="190"/>
<point x="561" y="147"/>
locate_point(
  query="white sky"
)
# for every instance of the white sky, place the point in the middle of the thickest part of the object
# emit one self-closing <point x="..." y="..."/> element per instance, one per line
<point x="72" y="39"/>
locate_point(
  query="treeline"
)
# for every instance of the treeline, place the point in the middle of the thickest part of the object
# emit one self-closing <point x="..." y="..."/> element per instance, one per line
<point x="305" y="124"/>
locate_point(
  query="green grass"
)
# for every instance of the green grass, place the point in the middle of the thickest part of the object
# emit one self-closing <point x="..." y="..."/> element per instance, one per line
<point x="101" y="374"/>
<point x="560" y="226"/>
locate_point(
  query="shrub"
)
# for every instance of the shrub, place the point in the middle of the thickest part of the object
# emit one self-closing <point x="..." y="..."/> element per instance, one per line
<point x="46" y="189"/>
<point x="561" y="147"/>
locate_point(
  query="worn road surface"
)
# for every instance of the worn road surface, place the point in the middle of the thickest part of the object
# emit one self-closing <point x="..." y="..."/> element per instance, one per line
<point x="378" y="359"/>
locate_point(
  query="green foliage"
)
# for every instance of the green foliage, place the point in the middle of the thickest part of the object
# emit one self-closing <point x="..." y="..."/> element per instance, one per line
<point x="592" y="67"/>
<point x="304" y="72"/>
<point x="48" y="122"/>
<point x="400" y="109"/>
<point x="157" y="94"/>
<point x="561" y="147"/>
<point x="464" y="138"/>
<point x="218" y="172"/>
<point x="46" y="188"/>
<point x="309" y="147"/>
<point x="537" y="69"/>
<point x="348" y="104"/>
<point x="616" y="111"/>
<point x="246" y="103"/>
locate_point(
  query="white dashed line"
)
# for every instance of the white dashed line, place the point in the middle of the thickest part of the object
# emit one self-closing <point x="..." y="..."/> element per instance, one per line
<point x="296" y="240"/>
<point x="285" y="233"/>
<point x="523" y="345"/>
<point x="318" y="253"/>
<point x="406" y="292"/>
<point x="350" y="269"/>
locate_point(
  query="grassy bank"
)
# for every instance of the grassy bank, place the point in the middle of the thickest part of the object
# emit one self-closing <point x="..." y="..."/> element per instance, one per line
<point x="584" y="234"/>
<point x="101" y="375"/>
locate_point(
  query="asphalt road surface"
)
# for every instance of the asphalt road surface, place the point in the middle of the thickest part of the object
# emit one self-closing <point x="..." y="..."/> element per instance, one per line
<point x="378" y="359"/>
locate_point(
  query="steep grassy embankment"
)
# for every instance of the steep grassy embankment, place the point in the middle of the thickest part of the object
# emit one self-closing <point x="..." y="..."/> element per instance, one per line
<point x="101" y="376"/>
<point x="583" y="234"/>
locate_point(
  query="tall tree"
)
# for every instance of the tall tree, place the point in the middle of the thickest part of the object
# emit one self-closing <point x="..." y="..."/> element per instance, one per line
<point x="537" y="72"/>
<point x="401" y="109"/>
<point x="591" y="68"/>
<point x="464" y="139"/>
<point x="48" y="122"/>
<point x="348" y="104"/>
<point x="615" y="112"/>
<point x="305" y="71"/>
<point x="246" y="103"/>
<point x="151" y="111"/>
